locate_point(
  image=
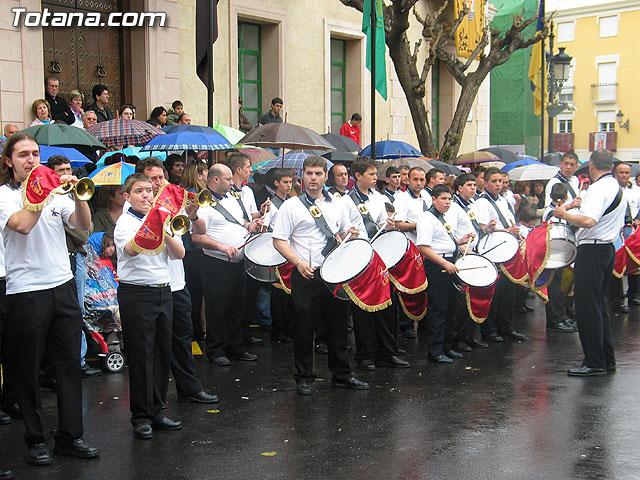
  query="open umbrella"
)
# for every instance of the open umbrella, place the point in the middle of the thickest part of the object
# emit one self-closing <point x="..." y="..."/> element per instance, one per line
<point x="3" y="140"/>
<point x="188" y="128"/>
<point x="447" y="168"/>
<point x="232" y="134"/>
<point x="186" y="140"/>
<point x="507" y="156"/>
<point x="257" y="154"/>
<point x="399" y="162"/>
<point x="131" y="152"/>
<point x="341" y="143"/>
<point x="552" y="158"/>
<point x="342" y="157"/>
<point x="475" y="157"/>
<point x="76" y="158"/>
<point x="388" y="149"/>
<point x="114" y="174"/>
<point x="292" y="160"/>
<point x="121" y="132"/>
<point x="533" y="172"/>
<point x="286" y="135"/>
<point x="63" y="135"/>
<point x="520" y="163"/>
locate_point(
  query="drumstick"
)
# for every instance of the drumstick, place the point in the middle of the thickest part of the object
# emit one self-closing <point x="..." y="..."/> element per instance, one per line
<point x="340" y="245"/>
<point x="468" y="268"/>
<point x="493" y="248"/>
<point x="466" y="248"/>
<point x="380" y="230"/>
<point x="250" y="240"/>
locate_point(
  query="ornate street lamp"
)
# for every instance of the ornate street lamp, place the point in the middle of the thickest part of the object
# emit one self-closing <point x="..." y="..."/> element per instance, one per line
<point x="558" y="73"/>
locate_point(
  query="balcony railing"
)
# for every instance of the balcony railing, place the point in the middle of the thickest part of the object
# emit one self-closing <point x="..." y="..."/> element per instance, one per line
<point x="604" y="92"/>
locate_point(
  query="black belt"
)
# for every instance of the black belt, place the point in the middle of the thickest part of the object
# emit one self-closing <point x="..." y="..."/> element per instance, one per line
<point x="594" y="242"/>
<point x="154" y="285"/>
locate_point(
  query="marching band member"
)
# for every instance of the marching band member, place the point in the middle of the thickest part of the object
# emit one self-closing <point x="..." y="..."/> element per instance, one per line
<point x="568" y="167"/>
<point x="410" y="204"/>
<point x="435" y="176"/>
<point x="338" y="180"/>
<point x="375" y="332"/>
<point x="492" y="208"/>
<point x="223" y="274"/>
<point x="146" y="306"/>
<point x="392" y="183"/>
<point x="305" y="232"/>
<point x="600" y="219"/>
<point x="438" y="245"/>
<point x="42" y="304"/>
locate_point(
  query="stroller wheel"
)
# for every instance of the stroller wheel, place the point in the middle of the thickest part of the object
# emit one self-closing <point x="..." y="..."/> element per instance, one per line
<point x="114" y="362"/>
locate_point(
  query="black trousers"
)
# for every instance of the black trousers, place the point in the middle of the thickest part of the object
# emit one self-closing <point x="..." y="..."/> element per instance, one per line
<point x="592" y="274"/>
<point x="375" y="333"/>
<point x="463" y="324"/>
<point x="313" y="302"/>
<point x="441" y="307"/>
<point x="192" y="262"/>
<point x="634" y="286"/>
<point x="146" y="327"/>
<point x="502" y="305"/>
<point x="7" y="392"/>
<point x="183" y="365"/>
<point x="46" y="319"/>
<point x="556" y="307"/>
<point x="224" y="293"/>
<point x="281" y="313"/>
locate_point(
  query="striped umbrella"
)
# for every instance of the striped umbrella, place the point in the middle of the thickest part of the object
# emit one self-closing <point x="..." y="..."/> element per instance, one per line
<point x="291" y="160"/>
<point x="186" y="140"/>
<point x="114" y="174"/>
<point x="122" y="133"/>
<point x="131" y="152"/>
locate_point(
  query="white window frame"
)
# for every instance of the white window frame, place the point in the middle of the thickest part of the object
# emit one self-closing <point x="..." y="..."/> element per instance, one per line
<point x="568" y="38"/>
<point x="617" y="21"/>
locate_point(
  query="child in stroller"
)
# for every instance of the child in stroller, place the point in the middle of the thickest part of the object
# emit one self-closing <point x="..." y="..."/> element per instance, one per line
<point x="102" y="317"/>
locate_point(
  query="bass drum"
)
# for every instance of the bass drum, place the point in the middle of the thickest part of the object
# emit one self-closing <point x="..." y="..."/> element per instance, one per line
<point x="345" y="263"/>
<point x="476" y="271"/>
<point x="391" y="246"/>
<point x="562" y="243"/>
<point x="261" y="259"/>
<point x="499" y="247"/>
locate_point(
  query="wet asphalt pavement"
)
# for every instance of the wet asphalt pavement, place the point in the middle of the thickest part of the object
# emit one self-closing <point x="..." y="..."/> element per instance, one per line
<point x="507" y="412"/>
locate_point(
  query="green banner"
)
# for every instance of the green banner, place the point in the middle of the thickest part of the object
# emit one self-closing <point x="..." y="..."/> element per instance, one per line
<point x="381" y="70"/>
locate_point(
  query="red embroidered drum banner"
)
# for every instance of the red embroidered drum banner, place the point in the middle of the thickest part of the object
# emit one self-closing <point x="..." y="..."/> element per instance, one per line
<point x="479" y="301"/>
<point x="283" y="272"/>
<point x="371" y="290"/>
<point x="414" y="305"/>
<point x="409" y="275"/>
<point x="150" y="237"/>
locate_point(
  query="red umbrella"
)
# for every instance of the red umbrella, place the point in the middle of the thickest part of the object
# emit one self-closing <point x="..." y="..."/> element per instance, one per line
<point x="122" y="133"/>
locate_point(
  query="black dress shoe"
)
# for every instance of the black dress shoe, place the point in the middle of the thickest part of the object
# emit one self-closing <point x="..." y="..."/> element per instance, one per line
<point x="634" y="301"/>
<point x="281" y="338"/>
<point x="6" y="475"/>
<point x="494" y="338"/>
<point x="528" y="308"/>
<point x="38" y="454"/>
<point x="513" y="335"/>
<point x="393" y="362"/>
<point x="246" y="357"/>
<point x="585" y="371"/>
<point x="453" y="354"/>
<point x="322" y="348"/>
<point x="78" y="448"/>
<point x="200" y="397"/>
<point x="440" y="359"/>
<point x="87" y="371"/>
<point x="403" y="352"/>
<point x="221" y="361"/>
<point x="522" y="310"/>
<point x="352" y="383"/>
<point x="5" y="419"/>
<point x="621" y="308"/>
<point x="367" y="365"/>
<point x="561" y="327"/>
<point x="611" y="367"/>
<point x="463" y="347"/>
<point x="254" y="341"/>
<point x="49" y="384"/>
<point x="143" y="431"/>
<point x="166" y="423"/>
<point x="304" y="388"/>
<point x="475" y="343"/>
<point x="409" y="333"/>
<point x="265" y="328"/>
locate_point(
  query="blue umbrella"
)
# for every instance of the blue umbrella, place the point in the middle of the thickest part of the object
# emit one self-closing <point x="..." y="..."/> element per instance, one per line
<point x="76" y="158"/>
<point x="389" y="149"/>
<point x="132" y="152"/>
<point x="292" y="160"/>
<point x="520" y="163"/>
<point x="185" y="140"/>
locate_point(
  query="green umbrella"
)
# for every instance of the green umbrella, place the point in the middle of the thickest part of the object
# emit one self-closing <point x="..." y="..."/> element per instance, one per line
<point x="63" y="135"/>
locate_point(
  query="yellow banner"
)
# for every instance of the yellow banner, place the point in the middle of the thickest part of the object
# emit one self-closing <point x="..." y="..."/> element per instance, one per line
<point x="469" y="32"/>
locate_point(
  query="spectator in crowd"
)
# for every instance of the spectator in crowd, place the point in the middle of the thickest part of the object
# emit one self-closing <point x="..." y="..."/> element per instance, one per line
<point x="245" y="124"/>
<point x="76" y="100"/>
<point x="184" y="119"/>
<point x="89" y="118"/>
<point x="158" y="114"/>
<point x="10" y="129"/>
<point x="175" y="166"/>
<point x="273" y="115"/>
<point x="58" y="106"/>
<point x="127" y="112"/>
<point x="351" y="128"/>
<point x="174" y="113"/>
<point x="42" y="112"/>
<point x="100" y="104"/>
<point x="109" y="202"/>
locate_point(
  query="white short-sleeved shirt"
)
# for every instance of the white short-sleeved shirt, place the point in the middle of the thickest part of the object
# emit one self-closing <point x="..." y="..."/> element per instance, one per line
<point x="432" y="233"/>
<point x="140" y="269"/>
<point x="271" y="215"/>
<point x="3" y="271"/>
<point x="511" y="198"/>
<point x="573" y="181"/>
<point x="456" y="215"/>
<point x="597" y="199"/>
<point x="524" y="230"/>
<point x="296" y="225"/>
<point x="632" y="196"/>
<point x="389" y="195"/>
<point x="38" y="260"/>
<point x="485" y="211"/>
<point x="248" y="200"/>
<point x="409" y="207"/>
<point x="375" y="205"/>
<point x="176" y="271"/>
<point x="223" y="231"/>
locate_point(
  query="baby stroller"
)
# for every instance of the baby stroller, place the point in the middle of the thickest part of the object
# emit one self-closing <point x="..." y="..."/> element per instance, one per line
<point x="102" y="315"/>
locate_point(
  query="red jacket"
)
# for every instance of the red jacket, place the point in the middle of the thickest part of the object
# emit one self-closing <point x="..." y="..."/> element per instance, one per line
<point x="348" y="130"/>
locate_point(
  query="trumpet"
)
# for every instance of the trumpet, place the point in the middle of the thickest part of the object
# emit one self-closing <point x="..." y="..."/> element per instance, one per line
<point x="179" y="225"/>
<point x="203" y="199"/>
<point x="84" y="188"/>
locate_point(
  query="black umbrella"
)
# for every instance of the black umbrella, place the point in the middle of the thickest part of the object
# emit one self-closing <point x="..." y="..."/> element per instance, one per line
<point x="342" y="143"/>
<point x="507" y="156"/>
<point x="446" y="167"/>
<point x="340" y="157"/>
<point x="552" y="159"/>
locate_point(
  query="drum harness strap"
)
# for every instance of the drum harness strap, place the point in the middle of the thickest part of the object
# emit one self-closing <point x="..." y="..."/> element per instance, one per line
<point x="474" y="220"/>
<point x="447" y="227"/>
<point x="216" y="205"/>
<point x="321" y="222"/>
<point x="277" y="201"/>
<point x="493" y="203"/>
<point x="390" y="195"/>
<point x="334" y="191"/>
<point x="369" y="223"/>
<point x="235" y="192"/>
<point x="565" y="180"/>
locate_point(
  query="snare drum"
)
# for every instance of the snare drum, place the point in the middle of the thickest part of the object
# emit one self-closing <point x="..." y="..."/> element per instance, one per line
<point x="344" y="264"/>
<point x="261" y="259"/>
<point x="476" y="271"/>
<point x="562" y="244"/>
<point x="391" y="246"/>
<point x="499" y="247"/>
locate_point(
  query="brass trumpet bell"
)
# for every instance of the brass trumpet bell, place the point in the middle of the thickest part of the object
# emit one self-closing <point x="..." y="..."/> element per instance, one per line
<point x="180" y="225"/>
<point x="205" y="199"/>
<point x="84" y="189"/>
